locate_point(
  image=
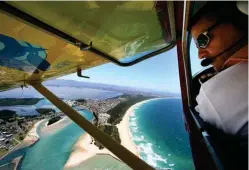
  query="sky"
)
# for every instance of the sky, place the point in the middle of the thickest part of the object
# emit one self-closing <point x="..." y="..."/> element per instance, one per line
<point x="159" y="72"/>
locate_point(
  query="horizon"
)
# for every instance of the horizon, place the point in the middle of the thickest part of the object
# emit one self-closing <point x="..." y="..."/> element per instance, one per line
<point x="164" y="75"/>
<point x="159" y="73"/>
<point x="133" y="87"/>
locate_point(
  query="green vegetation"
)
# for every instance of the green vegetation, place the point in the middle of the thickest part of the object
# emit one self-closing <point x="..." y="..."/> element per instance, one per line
<point x="7" y="115"/>
<point x="14" y="101"/>
<point x="112" y="131"/>
<point x="20" y="136"/>
<point x="3" y="152"/>
<point x="117" y="113"/>
<point x="45" y="111"/>
<point x="81" y="100"/>
<point x="14" y="142"/>
<point x="53" y="120"/>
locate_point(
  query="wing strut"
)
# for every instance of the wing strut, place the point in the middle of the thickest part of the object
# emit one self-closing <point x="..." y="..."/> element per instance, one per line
<point x="121" y="152"/>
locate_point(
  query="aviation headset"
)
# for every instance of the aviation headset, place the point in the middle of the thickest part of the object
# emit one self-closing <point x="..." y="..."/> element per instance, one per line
<point x="232" y="12"/>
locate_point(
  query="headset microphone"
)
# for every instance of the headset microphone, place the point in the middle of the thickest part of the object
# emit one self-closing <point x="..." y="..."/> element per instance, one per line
<point x="227" y="53"/>
<point x="206" y="62"/>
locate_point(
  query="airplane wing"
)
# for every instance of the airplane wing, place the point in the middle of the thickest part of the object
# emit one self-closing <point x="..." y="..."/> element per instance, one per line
<point x="43" y="40"/>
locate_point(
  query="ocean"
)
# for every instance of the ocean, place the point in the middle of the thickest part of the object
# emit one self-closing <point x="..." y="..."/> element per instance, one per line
<point x="52" y="151"/>
<point x="157" y="129"/>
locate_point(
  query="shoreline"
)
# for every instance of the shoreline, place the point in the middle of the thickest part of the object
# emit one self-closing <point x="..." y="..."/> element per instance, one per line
<point x="124" y="129"/>
<point x="85" y="149"/>
<point x="62" y="119"/>
<point x="53" y="128"/>
<point x="32" y="137"/>
<point x="16" y="162"/>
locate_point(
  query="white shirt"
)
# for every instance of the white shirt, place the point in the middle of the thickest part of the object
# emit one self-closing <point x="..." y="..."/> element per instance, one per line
<point x="223" y="99"/>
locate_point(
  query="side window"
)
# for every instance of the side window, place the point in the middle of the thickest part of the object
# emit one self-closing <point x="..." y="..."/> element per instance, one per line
<point x="138" y="106"/>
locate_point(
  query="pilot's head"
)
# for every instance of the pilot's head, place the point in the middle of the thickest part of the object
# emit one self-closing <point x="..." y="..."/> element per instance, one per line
<point x="216" y="28"/>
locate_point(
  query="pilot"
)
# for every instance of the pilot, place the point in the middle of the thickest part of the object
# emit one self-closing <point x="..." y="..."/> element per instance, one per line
<point x="220" y="32"/>
<point x="223" y="100"/>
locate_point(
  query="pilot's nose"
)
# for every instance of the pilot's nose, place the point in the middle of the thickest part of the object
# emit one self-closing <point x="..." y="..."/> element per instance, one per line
<point x="202" y="53"/>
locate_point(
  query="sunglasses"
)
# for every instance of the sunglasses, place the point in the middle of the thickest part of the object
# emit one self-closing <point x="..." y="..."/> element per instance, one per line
<point x="203" y="39"/>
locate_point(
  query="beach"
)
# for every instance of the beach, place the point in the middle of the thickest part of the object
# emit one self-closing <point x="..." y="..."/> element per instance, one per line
<point x="53" y="128"/>
<point x="84" y="148"/>
<point x="124" y="131"/>
<point x="32" y="137"/>
<point x="71" y="148"/>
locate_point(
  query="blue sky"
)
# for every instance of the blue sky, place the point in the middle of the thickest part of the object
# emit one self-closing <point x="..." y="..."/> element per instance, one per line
<point x="159" y="73"/>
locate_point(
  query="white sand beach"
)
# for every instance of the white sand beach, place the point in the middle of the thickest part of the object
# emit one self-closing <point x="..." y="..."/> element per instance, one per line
<point x="56" y="126"/>
<point x="124" y="132"/>
<point x="16" y="162"/>
<point x="85" y="149"/>
<point x="32" y="137"/>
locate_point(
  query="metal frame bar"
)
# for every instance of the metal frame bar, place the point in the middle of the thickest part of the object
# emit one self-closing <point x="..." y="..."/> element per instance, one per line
<point x="186" y="62"/>
<point x="9" y="9"/>
<point x="121" y="152"/>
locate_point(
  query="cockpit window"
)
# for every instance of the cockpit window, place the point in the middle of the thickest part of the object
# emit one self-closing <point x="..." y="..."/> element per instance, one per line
<point x="194" y="60"/>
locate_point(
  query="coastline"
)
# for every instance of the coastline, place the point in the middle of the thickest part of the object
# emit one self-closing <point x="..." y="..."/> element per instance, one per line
<point x="84" y="148"/>
<point x="16" y="162"/>
<point x="32" y="137"/>
<point x="53" y="128"/>
<point x="124" y="131"/>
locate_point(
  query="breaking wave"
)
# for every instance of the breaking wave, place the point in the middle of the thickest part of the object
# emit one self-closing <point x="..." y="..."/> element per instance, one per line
<point x="144" y="145"/>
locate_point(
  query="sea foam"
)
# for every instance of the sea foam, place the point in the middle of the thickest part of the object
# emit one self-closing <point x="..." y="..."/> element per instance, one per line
<point x="144" y="146"/>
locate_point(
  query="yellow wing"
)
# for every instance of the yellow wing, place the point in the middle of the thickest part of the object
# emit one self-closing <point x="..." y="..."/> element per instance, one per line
<point x="42" y="40"/>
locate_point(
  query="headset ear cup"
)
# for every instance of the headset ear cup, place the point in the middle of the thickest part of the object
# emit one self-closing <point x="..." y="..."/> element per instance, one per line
<point x="243" y="7"/>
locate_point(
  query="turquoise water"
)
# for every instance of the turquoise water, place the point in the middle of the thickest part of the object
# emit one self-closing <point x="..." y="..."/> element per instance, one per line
<point x="52" y="151"/>
<point x="44" y="103"/>
<point x="157" y="128"/>
<point x="101" y="162"/>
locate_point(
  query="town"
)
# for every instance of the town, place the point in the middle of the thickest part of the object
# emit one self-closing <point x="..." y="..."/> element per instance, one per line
<point x="14" y="128"/>
<point x="100" y="107"/>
